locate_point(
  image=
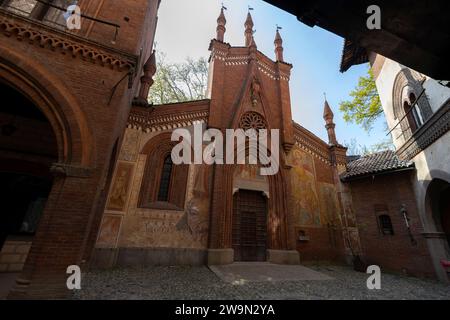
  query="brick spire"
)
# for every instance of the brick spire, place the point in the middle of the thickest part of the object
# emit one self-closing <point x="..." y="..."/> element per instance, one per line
<point x="221" y="22"/>
<point x="146" y="80"/>
<point x="328" y="116"/>
<point x="278" y="46"/>
<point x="249" y="30"/>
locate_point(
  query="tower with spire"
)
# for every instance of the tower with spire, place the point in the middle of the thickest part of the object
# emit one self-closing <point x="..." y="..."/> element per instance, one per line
<point x="328" y="116"/>
<point x="246" y="88"/>
<point x="221" y="23"/>
<point x="278" y="46"/>
<point x="146" y="81"/>
<point x="234" y="73"/>
<point x="249" y="40"/>
<point x="337" y="151"/>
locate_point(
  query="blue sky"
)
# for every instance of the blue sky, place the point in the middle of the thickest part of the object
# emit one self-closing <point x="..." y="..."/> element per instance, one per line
<point x="186" y="27"/>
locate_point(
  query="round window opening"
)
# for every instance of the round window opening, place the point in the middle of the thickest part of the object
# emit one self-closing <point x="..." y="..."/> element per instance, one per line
<point x="252" y="120"/>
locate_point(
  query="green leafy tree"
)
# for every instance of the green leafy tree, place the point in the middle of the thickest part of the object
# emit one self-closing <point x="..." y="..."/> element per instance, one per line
<point x="357" y="149"/>
<point x="179" y="82"/>
<point x="365" y="108"/>
<point x="383" y="145"/>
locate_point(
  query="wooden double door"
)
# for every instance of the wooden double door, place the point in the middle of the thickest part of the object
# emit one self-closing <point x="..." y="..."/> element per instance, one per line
<point x="249" y="226"/>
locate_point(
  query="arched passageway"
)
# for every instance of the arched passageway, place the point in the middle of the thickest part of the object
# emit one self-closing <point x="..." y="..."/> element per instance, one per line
<point x="28" y="148"/>
<point x="439" y="197"/>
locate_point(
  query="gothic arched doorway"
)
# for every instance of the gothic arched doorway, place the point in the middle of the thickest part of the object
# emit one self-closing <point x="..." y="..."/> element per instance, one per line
<point x="28" y="148"/>
<point x="439" y="197"/>
<point x="249" y="226"/>
<point x="250" y="214"/>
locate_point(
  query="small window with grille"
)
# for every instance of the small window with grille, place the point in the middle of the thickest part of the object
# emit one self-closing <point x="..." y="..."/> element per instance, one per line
<point x="385" y="224"/>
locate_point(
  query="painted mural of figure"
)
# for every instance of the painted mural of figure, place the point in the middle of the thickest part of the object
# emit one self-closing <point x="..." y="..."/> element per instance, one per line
<point x="351" y="220"/>
<point x="248" y="172"/>
<point x="329" y="203"/>
<point x="195" y="220"/>
<point x="306" y="203"/>
<point x="311" y="203"/>
<point x="109" y="231"/>
<point x="119" y="191"/>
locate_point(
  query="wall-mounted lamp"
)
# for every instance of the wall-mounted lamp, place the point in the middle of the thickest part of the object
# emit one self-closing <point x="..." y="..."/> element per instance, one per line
<point x="404" y="213"/>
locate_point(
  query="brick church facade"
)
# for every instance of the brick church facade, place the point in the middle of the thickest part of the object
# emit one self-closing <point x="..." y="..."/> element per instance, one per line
<point x="224" y="213"/>
<point x="85" y="160"/>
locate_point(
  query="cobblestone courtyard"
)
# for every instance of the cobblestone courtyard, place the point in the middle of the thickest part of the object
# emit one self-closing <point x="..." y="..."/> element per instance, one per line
<point x="191" y="283"/>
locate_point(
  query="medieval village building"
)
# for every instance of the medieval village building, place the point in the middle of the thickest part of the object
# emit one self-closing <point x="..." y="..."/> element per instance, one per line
<point x="417" y="111"/>
<point x="66" y="100"/>
<point x="88" y="174"/>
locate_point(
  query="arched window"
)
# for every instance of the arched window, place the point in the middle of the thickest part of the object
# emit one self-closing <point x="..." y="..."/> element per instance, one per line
<point x="164" y="184"/>
<point x="414" y="114"/>
<point x="410" y="112"/>
<point x="386" y="227"/>
<point x="416" y="111"/>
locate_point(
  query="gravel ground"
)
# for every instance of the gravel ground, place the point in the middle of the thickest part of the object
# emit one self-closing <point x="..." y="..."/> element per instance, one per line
<point x="199" y="283"/>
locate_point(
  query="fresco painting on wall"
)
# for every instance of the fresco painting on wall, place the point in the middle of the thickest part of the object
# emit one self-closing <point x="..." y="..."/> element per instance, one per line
<point x="195" y="220"/>
<point x="305" y="200"/>
<point x="248" y="177"/>
<point x="129" y="150"/>
<point x="248" y="172"/>
<point x="329" y="204"/>
<point x="109" y="231"/>
<point x="120" y="187"/>
<point x="350" y="214"/>
<point x="165" y="228"/>
<point x="161" y="229"/>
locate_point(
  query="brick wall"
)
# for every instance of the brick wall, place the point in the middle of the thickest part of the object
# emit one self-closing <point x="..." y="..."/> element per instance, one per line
<point x="72" y="84"/>
<point x="13" y="255"/>
<point x="320" y="244"/>
<point x="385" y="194"/>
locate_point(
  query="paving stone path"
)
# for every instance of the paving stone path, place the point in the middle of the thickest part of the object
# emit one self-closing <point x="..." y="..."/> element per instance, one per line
<point x="191" y="283"/>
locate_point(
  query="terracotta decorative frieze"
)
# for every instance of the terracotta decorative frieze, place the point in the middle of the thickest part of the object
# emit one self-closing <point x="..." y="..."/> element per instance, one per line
<point x="432" y="130"/>
<point x="237" y="60"/>
<point x="271" y="73"/>
<point x="311" y="144"/>
<point x="146" y="121"/>
<point x="218" y="55"/>
<point x="243" y="60"/>
<point x="46" y="37"/>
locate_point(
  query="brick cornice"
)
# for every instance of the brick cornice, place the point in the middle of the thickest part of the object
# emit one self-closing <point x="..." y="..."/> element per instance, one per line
<point x="240" y="56"/>
<point x="36" y="33"/>
<point x="170" y="116"/>
<point x="311" y="144"/>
